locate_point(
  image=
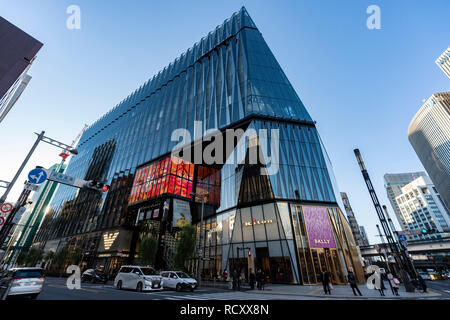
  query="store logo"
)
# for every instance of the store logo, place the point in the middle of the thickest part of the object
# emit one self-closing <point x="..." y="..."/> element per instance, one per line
<point x="321" y="241"/>
<point x="256" y="222"/>
<point x="108" y="239"/>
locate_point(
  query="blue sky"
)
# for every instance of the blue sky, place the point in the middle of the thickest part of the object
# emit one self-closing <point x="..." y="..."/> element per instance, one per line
<point x="361" y="86"/>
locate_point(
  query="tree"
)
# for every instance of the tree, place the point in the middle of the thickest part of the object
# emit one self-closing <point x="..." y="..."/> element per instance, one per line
<point x="60" y="259"/>
<point x="49" y="257"/>
<point x="22" y="258"/>
<point x="75" y="255"/>
<point x="147" y="250"/>
<point x="34" y="256"/>
<point x="185" y="246"/>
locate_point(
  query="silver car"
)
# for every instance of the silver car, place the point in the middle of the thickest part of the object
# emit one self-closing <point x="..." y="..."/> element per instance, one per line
<point x="22" y="282"/>
<point x="178" y="280"/>
<point x="138" y="278"/>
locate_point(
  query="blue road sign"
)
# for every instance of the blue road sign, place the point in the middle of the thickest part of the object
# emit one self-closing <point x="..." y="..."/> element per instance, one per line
<point x="37" y="176"/>
<point x="402" y="237"/>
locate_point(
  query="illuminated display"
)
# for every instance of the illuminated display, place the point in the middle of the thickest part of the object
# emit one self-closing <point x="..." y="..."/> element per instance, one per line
<point x="175" y="176"/>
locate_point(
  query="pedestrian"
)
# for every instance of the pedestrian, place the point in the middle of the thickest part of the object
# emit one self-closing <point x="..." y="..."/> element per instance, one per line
<point x="252" y="279"/>
<point x="324" y="277"/>
<point x="422" y="283"/>
<point x="352" y="282"/>
<point x="379" y="284"/>
<point x="224" y="274"/>
<point x="259" y="279"/>
<point x="235" y="279"/>
<point x="394" y="283"/>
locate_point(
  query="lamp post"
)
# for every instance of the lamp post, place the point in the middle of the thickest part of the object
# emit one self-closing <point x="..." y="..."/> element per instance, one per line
<point x="40" y="138"/>
<point x="203" y="195"/>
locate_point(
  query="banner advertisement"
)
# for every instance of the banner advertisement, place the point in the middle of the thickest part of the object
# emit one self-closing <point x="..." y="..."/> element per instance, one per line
<point x="181" y="213"/>
<point x="318" y="227"/>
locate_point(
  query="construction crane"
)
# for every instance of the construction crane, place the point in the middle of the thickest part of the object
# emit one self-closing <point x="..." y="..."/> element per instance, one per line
<point x="402" y="260"/>
<point x="65" y="153"/>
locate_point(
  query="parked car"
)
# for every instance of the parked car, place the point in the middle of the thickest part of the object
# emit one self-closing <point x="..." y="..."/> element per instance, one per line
<point x="22" y="282"/>
<point x="178" y="280"/>
<point x="94" y="276"/>
<point x="138" y="278"/>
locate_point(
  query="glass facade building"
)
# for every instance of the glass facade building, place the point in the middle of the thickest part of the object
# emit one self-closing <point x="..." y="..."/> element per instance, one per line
<point x="229" y="80"/>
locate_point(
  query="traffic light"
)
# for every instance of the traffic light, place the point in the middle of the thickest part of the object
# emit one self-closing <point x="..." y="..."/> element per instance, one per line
<point x="427" y="231"/>
<point x="378" y="248"/>
<point x="249" y="253"/>
<point x="97" y="185"/>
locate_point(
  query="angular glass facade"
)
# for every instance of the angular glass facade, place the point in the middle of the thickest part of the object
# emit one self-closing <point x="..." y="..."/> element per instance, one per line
<point x="228" y="80"/>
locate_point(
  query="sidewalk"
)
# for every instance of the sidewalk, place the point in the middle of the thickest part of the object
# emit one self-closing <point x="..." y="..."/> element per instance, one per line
<point x="344" y="292"/>
<point x="339" y="291"/>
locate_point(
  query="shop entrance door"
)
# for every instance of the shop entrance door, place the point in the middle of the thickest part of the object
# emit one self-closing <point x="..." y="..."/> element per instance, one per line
<point x="262" y="260"/>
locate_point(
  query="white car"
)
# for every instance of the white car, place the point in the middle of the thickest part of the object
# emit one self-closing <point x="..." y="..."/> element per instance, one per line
<point x="22" y="282"/>
<point x="138" y="278"/>
<point x="178" y="280"/>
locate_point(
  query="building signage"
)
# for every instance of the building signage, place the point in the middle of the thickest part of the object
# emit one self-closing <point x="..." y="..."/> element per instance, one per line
<point x="318" y="227"/>
<point x="31" y="186"/>
<point x="257" y="222"/>
<point x="181" y="213"/>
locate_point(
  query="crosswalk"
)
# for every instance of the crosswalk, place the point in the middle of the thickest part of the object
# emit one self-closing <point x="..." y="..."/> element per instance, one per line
<point x="225" y="296"/>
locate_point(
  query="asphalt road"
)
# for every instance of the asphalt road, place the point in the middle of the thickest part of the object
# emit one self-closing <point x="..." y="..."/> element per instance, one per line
<point x="56" y="289"/>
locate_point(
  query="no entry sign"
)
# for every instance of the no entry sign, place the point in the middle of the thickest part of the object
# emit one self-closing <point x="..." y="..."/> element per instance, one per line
<point x="6" y="207"/>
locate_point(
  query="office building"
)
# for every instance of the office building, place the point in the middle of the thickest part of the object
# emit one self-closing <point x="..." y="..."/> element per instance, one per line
<point x="364" y="236"/>
<point x="422" y="209"/>
<point x="18" y="50"/>
<point x="352" y="220"/>
<point x="443" y="62"/>
<point x="393" y="183"/>
<point x="281" y="208"/>
<point x="429" y="134"/>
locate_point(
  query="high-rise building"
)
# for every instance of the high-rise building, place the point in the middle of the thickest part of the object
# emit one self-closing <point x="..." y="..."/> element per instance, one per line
<point x="422" y="208"/>
<point x="443" y="62"/>
<point x="429" y="134"/>
<point x="352" y="220"/>
<point x="31" y="219"/>
<point x="18" y="50"/>
<point x="364" y="235"/>
<point x="274" y="211"/>
<point x="393" y="183"/>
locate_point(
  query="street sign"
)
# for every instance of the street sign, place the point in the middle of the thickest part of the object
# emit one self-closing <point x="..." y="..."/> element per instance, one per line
<point x="37" y="176"/>
<point x="6" y="207"/>
<point x="31" y="186"/>
<point x="200" y="252"/>
<point x="18" y="215"/>
<point x="402" y="237"/>
<point x="2" y="221"/>
<point x="65" y="179"/>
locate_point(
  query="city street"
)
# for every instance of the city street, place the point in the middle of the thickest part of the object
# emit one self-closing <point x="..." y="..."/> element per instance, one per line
<point x="55" y="289"/>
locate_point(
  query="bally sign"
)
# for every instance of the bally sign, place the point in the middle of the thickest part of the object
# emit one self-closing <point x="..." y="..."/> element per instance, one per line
<point x="318" y="227"/>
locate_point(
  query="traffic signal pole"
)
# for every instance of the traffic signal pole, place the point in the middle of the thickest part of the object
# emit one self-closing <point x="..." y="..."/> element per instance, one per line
<point x="399" y="257"/>
<point x="11" y="184"/>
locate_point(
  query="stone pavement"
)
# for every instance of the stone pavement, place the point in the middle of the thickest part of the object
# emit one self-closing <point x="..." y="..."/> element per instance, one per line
<point x="339" y="291"/>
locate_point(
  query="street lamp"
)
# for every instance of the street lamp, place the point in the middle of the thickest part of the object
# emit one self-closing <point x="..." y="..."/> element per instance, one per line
<point x="40" y="138"/>
<point x="203" y="195"/>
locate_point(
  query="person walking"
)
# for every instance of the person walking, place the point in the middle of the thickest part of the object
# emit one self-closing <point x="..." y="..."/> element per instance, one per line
<point x="379" y="285"/>
<point x="235" y="279"/>
<point x="259" y="279"/>
<point x="224" y="274"/>
<point x="394" y="283"/>
<point x="351" y="279"/>
<point x="422" y="283"/>
<point x="252" y="279"/>
<point x="324" y="277"/>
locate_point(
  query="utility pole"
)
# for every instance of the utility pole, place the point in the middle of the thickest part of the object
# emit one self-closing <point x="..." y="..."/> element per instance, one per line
<point x="399" y="258"/>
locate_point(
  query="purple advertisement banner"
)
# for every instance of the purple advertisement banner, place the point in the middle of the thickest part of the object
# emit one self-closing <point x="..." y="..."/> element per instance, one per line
<point x="318" y="227"/>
